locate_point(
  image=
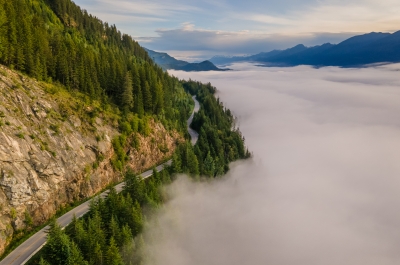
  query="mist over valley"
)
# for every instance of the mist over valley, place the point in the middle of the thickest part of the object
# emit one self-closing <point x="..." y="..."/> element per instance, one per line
<point x="321" y="187"/>
<point x="199" y="132"/>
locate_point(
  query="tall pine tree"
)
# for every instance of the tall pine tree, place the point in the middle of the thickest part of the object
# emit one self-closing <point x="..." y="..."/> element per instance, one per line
<point x="126" y="97"/>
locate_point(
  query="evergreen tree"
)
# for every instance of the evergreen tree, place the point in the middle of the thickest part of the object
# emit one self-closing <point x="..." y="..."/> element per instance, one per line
<point x="139" y="109"/>
<point x="127" y="93"/>
<point x="125" y="236"/>
<point x="134" y="186"/>
<point x="147" y="98"/>
<point x="55" y="40"/>
<point x="58" y="245"/>
<point x="136" y="220"/>
<point x="9" y="54"/>
<point x="158" y="98"/>
<point x="192" y="163"/>
<point x="114" y="229"/>
<point x="176" y="163"/>
<point x="113" y="257"/>
<point x="97" y="257"/>
<point x="3" y="29"/>
<point x="76" y="257"/>
<point x="209" y="166"/>
<point x="43" y="262"/>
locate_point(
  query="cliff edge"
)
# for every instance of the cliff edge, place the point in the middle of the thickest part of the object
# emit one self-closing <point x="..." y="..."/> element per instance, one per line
<point x="56" y="148"/>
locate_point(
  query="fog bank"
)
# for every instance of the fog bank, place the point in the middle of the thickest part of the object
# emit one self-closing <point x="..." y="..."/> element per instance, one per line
<point x="323" y="185"/>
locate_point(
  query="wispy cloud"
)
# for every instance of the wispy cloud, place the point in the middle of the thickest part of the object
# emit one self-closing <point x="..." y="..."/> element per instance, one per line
<point x="245" y="26"/>
<point x="212" y="42"/>
<point x="140" y="7"/>
<point x="330" y="16"/>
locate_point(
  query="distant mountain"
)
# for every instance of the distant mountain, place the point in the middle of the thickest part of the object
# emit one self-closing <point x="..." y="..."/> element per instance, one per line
<point x="203" y="66"/>
<point x="168" y="62"/>
<point x="223" y="60"/>
<point x="356" y="51"/>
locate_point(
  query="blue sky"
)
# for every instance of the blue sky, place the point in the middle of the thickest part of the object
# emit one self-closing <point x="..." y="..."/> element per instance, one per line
<point x="195" y="30"/>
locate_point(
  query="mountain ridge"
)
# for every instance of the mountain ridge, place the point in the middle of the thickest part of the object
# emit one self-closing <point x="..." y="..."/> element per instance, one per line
<point x="165" y="61"/>
<point x="360" y="50"/>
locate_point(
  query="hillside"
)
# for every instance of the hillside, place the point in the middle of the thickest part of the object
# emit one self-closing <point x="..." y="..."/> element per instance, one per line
<point x="357" y="51"/>
<point x="56" y="148"/>
<point x="57" y="41"/>
<point x="80" y="102"/>
<point x="167" y="62"/>
<point x="82" y="106"/>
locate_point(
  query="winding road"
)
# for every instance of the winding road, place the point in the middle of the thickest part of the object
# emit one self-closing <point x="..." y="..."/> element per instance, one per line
<point x="193" y="134"/>
<point x="31" y="246"/>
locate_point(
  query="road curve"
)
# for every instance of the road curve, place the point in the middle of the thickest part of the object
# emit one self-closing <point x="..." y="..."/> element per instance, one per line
<point x="193" y="134"/>
<point x="31" y="246"/>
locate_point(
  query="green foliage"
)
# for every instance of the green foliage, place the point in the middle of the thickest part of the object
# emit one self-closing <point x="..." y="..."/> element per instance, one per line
<point x="58" y="247"/>
<point x="185" y="160"/>
<point x="55" y="128"/>
<point x="43" y="262"/>
<point x="28" y="219"/>
<point x="57" y="42"/>
<point x="112" y="256"/>
<point x="135" y="186"/>
<point x="106" y="234"/>
<point x="127" y="95"/>
<point x="219" y="142"/>
<point x="125" y="127"/>
<point x="13" y="213"/>
<point x="163" y="148"/>
<point x="76" y="257"/>
<point x="144" y="127"/>
<point x="120" y="158"/>
<point x="134" y="122"/>
<point x="135" y="141"/>
<point x="209" y="165"/>
<point x="20" y="135"/>
<point x="3" y="20"/>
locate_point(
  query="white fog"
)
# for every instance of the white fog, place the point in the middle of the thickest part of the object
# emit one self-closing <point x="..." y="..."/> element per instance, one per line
<point x="322" y="187"/>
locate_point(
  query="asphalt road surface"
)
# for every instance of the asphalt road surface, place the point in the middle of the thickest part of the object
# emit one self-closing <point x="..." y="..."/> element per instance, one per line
<point x="31" y="246"/>
<point x="192" y="132"/>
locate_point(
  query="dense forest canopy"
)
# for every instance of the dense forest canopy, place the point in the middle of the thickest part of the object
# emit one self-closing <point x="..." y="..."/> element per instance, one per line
<point x="55" y="41"/>
<point x="219" y="143"/>
<point x="110" y="233"/>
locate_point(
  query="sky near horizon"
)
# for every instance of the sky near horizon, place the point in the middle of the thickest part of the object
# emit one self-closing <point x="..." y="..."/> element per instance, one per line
<point x="195" y="30"/>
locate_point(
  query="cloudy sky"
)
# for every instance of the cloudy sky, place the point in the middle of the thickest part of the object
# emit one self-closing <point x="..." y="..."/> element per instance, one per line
<point x="197" y="29"/>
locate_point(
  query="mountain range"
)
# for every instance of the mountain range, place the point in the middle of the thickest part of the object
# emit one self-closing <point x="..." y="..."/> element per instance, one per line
<point x="356" y="51"/>
<point x="166" y="62"/>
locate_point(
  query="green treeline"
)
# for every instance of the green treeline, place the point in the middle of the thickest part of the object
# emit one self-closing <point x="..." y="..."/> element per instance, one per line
<point x="219" y="141"/>
<point x="57" y="41"/>
<point x="110" y="233"/>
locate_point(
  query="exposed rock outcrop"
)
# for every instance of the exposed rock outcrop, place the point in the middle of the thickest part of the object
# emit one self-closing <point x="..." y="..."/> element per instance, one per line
<point x="54" y="150"/>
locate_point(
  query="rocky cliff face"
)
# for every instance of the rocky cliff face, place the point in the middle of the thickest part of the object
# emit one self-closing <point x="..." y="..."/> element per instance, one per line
<point x="56" y="149"/>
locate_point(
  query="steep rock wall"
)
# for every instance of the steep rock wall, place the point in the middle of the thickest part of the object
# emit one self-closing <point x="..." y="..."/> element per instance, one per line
<point x="54" y="152"/>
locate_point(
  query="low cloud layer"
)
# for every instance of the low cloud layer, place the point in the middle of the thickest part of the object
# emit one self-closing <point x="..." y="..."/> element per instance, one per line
<point x="322" y="187"/>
